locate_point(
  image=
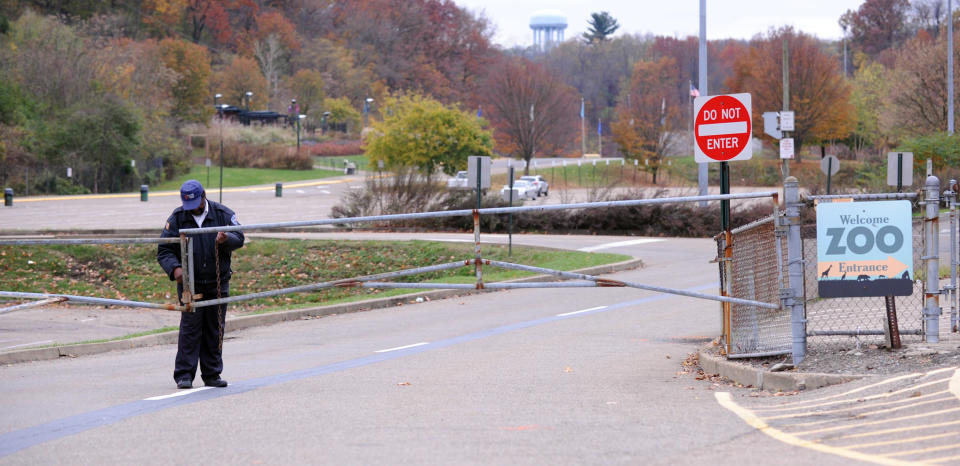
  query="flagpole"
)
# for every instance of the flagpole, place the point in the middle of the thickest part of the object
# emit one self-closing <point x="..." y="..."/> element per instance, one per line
<point x="583" y="132"/>
<point x="600" y="137"/>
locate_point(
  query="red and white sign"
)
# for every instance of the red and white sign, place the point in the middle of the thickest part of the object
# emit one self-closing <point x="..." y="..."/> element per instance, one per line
<point x="722" y="128"/>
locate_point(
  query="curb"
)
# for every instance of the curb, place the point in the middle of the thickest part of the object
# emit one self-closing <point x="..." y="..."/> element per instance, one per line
<point x="766" y="380"/>
<point x="257" y="320"/>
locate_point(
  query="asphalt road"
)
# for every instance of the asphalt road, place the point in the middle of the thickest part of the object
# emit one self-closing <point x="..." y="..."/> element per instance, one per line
<point x="554" y="376"/>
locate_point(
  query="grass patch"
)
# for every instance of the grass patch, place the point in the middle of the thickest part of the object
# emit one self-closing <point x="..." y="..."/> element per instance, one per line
<point x="131" y="271"/>
<point x="336" y="161"/>
<point x="235" y="177"/>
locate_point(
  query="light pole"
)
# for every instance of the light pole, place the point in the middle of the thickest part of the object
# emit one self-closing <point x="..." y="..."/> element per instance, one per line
<point x="299" y="117"/>
<point x="366" y="110"/>
<point x="216" y="98"/>
<point x="247" y="96"/>
<point x="220" y="108"/>
<point x="323" y="123"/>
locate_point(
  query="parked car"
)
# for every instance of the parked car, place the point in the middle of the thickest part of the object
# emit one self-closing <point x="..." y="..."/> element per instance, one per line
<point x="523" y="190"/>
<point x="542" y="186"/>
<point x="459" y="181"/>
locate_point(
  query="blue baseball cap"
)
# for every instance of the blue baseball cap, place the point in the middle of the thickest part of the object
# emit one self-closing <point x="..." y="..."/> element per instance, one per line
<point x="191" y="193"/>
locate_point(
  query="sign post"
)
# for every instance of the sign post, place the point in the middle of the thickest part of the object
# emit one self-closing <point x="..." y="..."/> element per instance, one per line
<point x="899" y="169"/>
<point x="829" y="165"/>
<point x="722" y="130"/>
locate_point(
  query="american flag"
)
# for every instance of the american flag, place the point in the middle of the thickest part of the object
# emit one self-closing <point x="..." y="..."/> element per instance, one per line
<point x="693" y="91"/>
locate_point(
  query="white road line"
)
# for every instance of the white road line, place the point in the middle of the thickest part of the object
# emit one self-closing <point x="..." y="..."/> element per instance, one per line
<point x="88" y="320"/>
<point x="300" y="191"/>
<point x="29" y="344"/>
<point x="176" y="394"/>
<point x="402" y="347"/>
<point x="581" y="311"/>
<point x="620" y="243"/>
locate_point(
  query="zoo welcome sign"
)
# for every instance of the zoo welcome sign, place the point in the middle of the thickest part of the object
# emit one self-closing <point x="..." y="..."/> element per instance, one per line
<point x="864" y="249"/>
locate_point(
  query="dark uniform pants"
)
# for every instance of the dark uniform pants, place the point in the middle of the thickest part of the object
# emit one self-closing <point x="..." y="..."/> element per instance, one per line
<point x="199" y="338"/>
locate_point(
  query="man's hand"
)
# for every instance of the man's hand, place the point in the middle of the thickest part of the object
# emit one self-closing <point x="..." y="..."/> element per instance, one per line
<point x="221" y="237"/>
<point x="178" y="274"/>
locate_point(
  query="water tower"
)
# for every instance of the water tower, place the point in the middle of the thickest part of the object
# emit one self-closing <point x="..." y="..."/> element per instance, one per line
<point x="548" y="27"/>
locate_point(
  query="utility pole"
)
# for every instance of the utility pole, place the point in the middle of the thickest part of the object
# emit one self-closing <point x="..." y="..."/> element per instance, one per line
<point x="950" y="66"/>
<point x="702" y="173"/>
<point x="786" y="97"/>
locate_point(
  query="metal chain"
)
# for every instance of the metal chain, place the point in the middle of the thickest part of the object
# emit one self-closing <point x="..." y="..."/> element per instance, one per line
<point x="221" y="322"/>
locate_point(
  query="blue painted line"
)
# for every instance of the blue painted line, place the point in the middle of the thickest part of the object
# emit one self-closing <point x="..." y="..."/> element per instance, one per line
<point x="15" y="441"/>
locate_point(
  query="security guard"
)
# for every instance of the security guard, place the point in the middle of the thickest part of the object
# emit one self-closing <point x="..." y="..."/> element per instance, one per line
<point x="201" y="331"/>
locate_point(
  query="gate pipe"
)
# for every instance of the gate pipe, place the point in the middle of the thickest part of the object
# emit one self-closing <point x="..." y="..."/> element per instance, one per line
<point x="793" y="296"/>
<point x="931" y="307"/>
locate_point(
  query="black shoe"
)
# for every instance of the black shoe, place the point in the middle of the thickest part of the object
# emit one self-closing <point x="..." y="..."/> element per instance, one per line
<point x="217" y="382"/>
<point x="185" y="383"/>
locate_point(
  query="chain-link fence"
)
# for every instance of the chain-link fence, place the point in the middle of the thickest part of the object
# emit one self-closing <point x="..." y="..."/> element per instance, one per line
<point x="860" y="320"/>
<point x="757" y="274"/>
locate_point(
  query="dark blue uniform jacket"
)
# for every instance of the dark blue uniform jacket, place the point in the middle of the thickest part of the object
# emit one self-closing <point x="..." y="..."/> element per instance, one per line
<point x="168" y="255"/>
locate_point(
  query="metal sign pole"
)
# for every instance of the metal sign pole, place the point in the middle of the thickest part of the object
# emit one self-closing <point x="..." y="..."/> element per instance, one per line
<point x="510" y="217"/>
<point x="899" y="172"/>
<point x="829" y="171"/>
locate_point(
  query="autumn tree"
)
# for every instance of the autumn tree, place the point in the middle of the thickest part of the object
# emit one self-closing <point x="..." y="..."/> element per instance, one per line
<point x="242" y="75"/>
<point x="644" y="126"/>
<point x="307" y="87"/>
<point x="877" y="25"/>
<point x="871" y="84"/>
<point x="191" y="90"/>
<point x="819" y="95"/>
<point x="531" y="110"/>
<point x="917" y="104"/>
<point x="49" y="60"/>
<point x="341" y="112"/>
<point x="421" y="132"/>
<point x="341" y="75"/>
<point x="602" y="26"/>
<point x="432" y="46"/>
<point x="102" y="136"/>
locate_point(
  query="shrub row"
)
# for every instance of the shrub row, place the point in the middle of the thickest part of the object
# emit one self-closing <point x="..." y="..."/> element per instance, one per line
<point x="265" y="156"/>
<point x="336" y="148"/>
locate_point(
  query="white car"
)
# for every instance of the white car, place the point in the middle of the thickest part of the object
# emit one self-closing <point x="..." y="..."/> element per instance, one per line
<point x="542" y="186"/>
<point x="459" y="181"/>
<point x="522" y="190"/>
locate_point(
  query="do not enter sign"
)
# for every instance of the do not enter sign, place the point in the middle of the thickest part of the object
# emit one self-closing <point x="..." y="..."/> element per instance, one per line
<point x="722" y="128"/>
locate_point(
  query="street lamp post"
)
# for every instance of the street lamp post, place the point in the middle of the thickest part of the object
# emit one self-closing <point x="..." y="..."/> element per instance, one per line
<point x="220" y="108"/>
<point x="366" y="110"/>
<point x="247" y="96"/>
<point x="216" y="98"/>
<point x="323" y="123"/>
<point x="299" y="117"/>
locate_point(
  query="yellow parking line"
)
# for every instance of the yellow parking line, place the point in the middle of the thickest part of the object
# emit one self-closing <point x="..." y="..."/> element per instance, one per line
<point x="870" y="413"/>
<point x="840" y="410"/>
<point x="856" y="390"/>
<point x="882" y="421"/>
<point x="175" y="193"/>
<point x="901" y="440"/>
<point x="923" y="450"/>
<point x="897" y="430"/>
<point x="943" y="460"/>
<point x="727" y="402"/>
<point x="871" y="397"/>
<point x="954" y="385"/>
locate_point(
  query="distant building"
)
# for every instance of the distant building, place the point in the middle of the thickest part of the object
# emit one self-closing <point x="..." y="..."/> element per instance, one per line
<point x="548" y="27"/>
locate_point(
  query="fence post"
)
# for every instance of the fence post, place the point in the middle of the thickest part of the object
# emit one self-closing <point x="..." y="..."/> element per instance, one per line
<point x="793" y="296"/>
<point x="952" y="204"/>
<point x="931" y="306"/>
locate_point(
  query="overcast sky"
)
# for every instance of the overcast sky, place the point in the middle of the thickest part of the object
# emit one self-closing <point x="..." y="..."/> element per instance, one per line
<point x="740" y="19"/>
